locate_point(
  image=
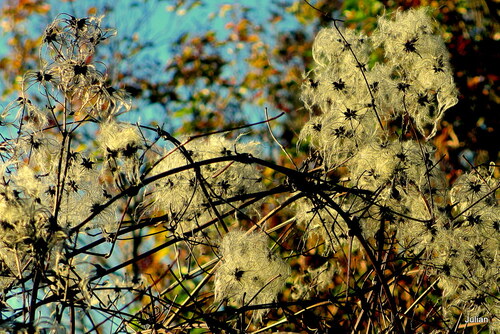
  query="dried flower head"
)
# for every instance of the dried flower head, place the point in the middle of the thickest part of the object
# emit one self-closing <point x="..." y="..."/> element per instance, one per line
<point x="180" y="194"/>
<point x="250" y="273"/>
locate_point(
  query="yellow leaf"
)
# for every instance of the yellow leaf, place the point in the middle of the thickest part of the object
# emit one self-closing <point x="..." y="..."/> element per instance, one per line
<point x="253" y="38"/>
<point x="92" y="11"/>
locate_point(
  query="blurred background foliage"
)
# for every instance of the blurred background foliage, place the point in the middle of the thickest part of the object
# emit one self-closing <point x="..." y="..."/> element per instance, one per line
<point x="195" y="66"/>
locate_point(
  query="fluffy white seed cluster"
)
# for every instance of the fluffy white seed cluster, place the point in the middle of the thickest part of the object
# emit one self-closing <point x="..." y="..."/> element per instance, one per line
<point x="413" y="80"/>
<point x="180" y="195"/>
<point x="116" y="137"/>
<point x="350" y="127"/>
<point x="456" y="230"/>
<point x="409" y="187"/>
<point x="32" y="222"/>
<point x="48" y="184"/>
<point x="67" y="70"/>
<point x="25" y="233"/>
<point x="411" y="190"/>
<point x="467" y="252"/>
<point x="420" y="81"/>
<point x="250" y="274"/>
<point x="35" y="175"/>
<point x="28" y="233"/>
<point x="120" y="143"/>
